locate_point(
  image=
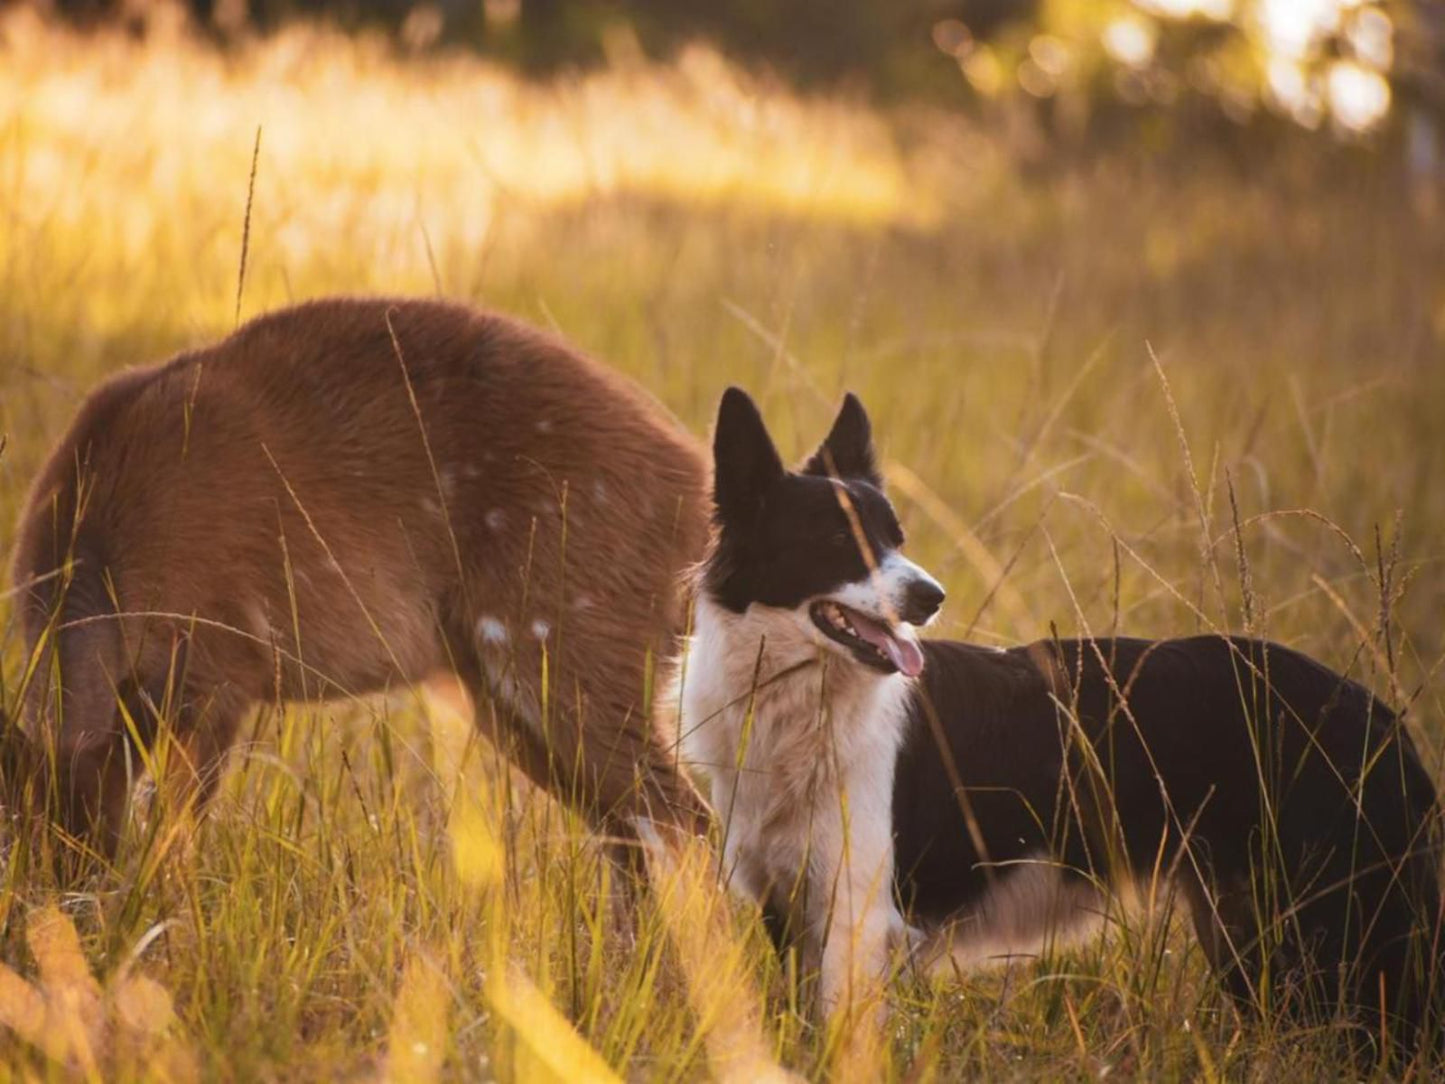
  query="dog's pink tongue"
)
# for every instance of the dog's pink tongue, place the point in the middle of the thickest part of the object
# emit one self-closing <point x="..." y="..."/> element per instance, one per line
<point x="904" y="653"/>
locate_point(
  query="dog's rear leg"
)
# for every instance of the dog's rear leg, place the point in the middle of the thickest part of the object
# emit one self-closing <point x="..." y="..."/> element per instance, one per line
<point x="92" y="776"/>
<point x="721" y="982"/>
<point x="205" y="727"/>
<point x="658" y="818"/>
<point x="91" y="762"/>
<point x="601" y="755"/>
<point x="1228" y="932"/>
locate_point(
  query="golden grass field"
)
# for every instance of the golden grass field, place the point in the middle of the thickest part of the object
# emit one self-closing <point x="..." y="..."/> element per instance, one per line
<point x="1068" y="370"/>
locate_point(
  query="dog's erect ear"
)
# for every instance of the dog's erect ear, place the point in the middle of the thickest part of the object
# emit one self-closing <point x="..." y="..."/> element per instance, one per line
<point x="745" y="462"/>
<point x="847" y="451"/>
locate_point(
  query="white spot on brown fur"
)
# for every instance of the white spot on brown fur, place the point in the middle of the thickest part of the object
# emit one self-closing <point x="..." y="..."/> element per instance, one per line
<point x="491" y="631"/>
<point x="495" y="519"/>
<point x="540" y="629"/>
<point x="260" y="624"/>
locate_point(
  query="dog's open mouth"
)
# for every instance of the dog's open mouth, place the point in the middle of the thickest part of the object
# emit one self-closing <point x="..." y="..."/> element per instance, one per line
<point x="872" y="642"/>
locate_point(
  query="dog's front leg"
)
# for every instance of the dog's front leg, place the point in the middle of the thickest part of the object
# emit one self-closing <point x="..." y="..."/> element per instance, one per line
<point x="855" y="955"/>
<point x="856" y="950"/>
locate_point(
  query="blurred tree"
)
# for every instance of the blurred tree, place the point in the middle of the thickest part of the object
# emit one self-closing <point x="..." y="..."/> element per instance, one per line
<point x="1419" y="76"/>
<point x="1061" y="72"/>
<point x="1314" y="62"/>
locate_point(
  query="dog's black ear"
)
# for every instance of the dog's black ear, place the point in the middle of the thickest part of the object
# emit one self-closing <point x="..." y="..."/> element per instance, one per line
<point x="847" y="451"/>
<point x="745" y="462"/>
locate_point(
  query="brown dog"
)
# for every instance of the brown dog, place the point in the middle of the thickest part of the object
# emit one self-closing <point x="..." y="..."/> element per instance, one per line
<point x="351" y="495"/>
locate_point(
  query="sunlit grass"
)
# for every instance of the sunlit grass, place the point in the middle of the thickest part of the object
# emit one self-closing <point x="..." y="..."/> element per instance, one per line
<point x="374" y="892"/>
<point x="113" y="142"/>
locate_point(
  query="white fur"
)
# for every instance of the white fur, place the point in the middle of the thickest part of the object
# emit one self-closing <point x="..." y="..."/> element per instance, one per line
<point x="883" y="594"/>
<point x="801" y="771"/>
<point x="1030" y="906"/>
<point x="799" y="742"/>
<point x="491" y="630"/>
<point x="501" y="669"/>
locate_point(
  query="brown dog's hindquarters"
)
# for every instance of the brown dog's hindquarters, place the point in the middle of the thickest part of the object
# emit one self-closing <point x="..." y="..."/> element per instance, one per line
<point x="342" y="498"/>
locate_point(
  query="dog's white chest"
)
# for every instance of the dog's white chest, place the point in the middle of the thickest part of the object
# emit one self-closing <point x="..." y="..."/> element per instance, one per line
<point x="787" y="741"/>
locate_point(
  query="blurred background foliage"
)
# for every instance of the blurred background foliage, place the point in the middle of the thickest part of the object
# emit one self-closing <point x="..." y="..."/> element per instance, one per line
<point x="1066" y="69"/>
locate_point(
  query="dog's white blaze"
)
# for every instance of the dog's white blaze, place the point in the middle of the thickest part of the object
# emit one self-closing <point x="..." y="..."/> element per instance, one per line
<point x="885" y="591"/>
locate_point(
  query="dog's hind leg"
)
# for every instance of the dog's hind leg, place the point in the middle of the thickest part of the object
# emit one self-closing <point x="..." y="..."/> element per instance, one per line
<point x="92" y="779"/>
<point x="88" y="735"/>
<point x="720" y="984"/>
<point x="205" y="725"/>
<point x="1225" y="923"/>
<point x="578" y="725"/>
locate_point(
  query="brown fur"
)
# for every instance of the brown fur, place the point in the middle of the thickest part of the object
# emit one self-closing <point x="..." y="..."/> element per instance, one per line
<point x="312" y="508"/>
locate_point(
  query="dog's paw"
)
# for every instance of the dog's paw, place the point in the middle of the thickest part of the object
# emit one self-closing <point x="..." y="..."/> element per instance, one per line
<point x="915" y="947"/>
<point x="906" y="938"/>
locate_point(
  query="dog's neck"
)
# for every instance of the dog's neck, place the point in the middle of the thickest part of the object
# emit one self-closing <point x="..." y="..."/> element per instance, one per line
<point x="762" y="697"/>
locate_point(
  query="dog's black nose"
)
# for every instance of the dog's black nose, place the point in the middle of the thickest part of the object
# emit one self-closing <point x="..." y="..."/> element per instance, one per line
<point x="921" y="601"/>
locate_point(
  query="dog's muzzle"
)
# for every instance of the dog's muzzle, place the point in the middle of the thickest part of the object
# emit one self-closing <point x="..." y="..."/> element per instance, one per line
<point x="921" y="601"/>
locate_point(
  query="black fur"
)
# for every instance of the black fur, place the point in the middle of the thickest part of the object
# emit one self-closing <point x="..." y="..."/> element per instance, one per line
<point x="786" y="536"/>
<point x="847" y="450"/>
<point x="1308" y="823"/>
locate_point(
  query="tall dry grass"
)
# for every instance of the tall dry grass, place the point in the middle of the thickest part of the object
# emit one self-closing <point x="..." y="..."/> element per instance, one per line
<point x="374" y="894"/>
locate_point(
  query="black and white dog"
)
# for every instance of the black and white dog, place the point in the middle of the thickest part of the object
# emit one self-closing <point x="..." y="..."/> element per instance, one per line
<point x="861" y="774"/>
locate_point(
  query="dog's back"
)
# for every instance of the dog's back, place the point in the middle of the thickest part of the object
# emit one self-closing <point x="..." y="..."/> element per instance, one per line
<point x="1288" y="802"/>
<point x="352" y="494"/>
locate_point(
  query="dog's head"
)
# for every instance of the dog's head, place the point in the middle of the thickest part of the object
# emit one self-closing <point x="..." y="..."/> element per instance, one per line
<point x="817" y="546"/>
